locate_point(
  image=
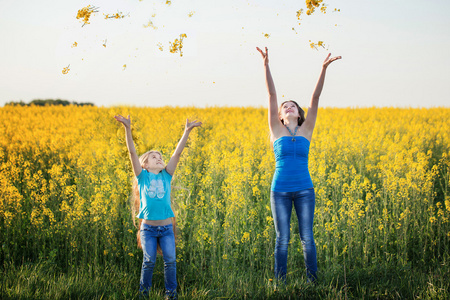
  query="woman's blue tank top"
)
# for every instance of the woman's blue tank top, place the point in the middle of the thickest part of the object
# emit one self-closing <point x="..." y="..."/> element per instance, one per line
<point x="291" y="169"/>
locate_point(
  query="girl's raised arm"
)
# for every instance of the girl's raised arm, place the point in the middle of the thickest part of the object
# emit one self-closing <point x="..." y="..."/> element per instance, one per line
<point x="173" y="162"/>
<point x="274" y="121"/>
<point x="137" y="168"/>
<point x="311" y="117"/>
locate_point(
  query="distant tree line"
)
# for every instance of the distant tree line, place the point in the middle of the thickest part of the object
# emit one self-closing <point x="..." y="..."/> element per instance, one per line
<point x="41" y="102"/>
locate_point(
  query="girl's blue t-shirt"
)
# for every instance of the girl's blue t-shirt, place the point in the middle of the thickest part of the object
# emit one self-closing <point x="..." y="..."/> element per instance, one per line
<point x="154" y="192"/>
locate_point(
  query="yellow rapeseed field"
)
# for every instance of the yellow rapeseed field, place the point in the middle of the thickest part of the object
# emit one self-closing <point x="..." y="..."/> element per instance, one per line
<point x="381" y="177"/>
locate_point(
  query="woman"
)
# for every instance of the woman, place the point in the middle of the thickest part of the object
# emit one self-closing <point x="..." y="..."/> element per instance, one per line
<point x="290" y="135"/>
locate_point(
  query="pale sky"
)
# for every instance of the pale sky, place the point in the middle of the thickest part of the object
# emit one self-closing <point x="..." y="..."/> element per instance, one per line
<point x="395" y="53"/>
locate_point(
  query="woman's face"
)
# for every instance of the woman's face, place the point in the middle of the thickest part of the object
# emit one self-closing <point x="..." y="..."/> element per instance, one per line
<point x="289" y="109"/>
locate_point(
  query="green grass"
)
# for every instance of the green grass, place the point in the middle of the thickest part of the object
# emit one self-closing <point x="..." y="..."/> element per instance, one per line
<point x="46" y="281"/>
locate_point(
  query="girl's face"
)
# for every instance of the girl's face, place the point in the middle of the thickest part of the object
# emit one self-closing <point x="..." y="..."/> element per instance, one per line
<point x="154" y="162"/>
<point x="289" y="109"/>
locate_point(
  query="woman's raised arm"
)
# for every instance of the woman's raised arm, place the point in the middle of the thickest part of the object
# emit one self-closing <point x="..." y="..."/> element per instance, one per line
<point x="274" y="121"/>
<point x="311" y="117"/>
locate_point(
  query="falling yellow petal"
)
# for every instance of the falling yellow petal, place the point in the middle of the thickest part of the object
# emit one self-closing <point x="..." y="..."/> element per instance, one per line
<point x="66" y="70"/>
<point x="312" y="5"/>
<point x="317" y="45"/>
<point x="150" y="24"/>
<point x="85" y="13"/>
<point x="118" y="15"/>
<point x="177" y="45"/>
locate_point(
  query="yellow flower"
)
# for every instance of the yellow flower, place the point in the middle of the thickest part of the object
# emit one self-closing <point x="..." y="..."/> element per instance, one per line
<point x="150" y="24"/>
<point x="177" y="44"/>
<point x="311" y="5"/>
<point x="118" y="15"/>
<point x="299" y="13"/>
<point x="245" y="237"/>
<point x="85" y="13"/>
<point x="66" y="70"/>
<point x="317" y="45"/>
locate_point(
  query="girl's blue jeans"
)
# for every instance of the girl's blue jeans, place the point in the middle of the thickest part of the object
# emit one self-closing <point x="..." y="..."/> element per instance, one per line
<point x="150" y="237"/>
<point x="304" y="203"/>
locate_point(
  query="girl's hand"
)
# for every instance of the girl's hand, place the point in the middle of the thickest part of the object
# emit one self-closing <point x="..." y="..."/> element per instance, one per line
<point x="329" y="60"/>
<point x="265" y="56"/>
<point x="190" y="125"/>
<point x="126" y="122"/>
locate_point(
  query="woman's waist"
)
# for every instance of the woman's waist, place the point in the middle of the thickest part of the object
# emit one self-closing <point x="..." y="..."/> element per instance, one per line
<point x="291" y="169"/>
<point x="291" y="184"/>
<point x="291" y="177"/>
<point x="291" y="160"/>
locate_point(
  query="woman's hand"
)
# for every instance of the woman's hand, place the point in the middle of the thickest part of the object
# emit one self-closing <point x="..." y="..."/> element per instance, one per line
<point x="265" y="56"/>
<point x="190" y="125"/>
<point x="329" y="60"/>
<point x="126" y="122"/>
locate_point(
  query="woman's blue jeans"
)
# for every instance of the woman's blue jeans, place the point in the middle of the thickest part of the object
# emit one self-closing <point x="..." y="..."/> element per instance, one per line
<point x="304" y="203"/>
<point x="151" y="236"/>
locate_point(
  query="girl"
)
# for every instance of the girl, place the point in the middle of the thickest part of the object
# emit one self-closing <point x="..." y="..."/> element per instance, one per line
<point x="154" y="183"/>
<point x="290" y="135"/>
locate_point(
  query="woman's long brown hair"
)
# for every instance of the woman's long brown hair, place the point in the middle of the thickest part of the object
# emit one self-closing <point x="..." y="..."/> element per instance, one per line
<point x="301" y="112"/>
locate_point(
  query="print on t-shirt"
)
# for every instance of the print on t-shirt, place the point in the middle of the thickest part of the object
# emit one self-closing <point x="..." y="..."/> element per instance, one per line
<point x="156" y="189"/>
